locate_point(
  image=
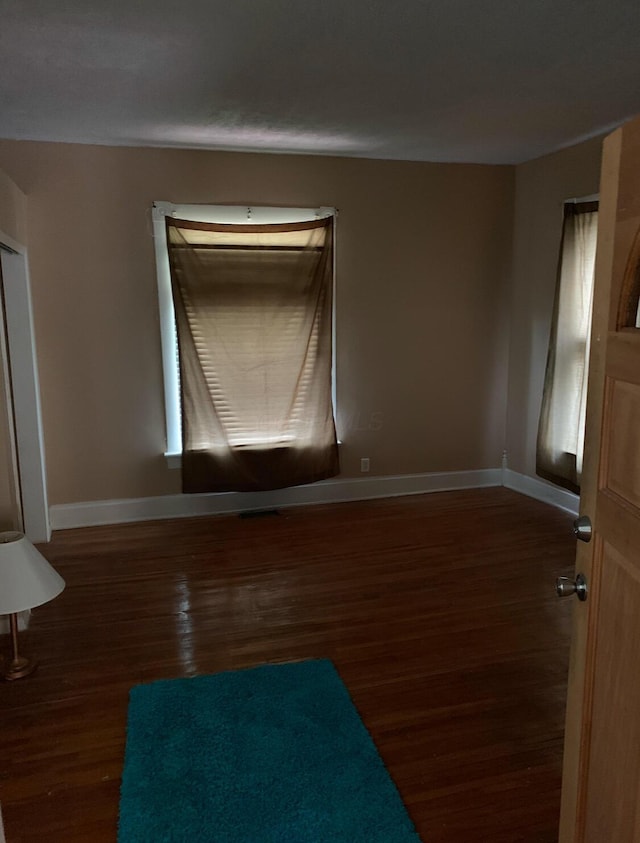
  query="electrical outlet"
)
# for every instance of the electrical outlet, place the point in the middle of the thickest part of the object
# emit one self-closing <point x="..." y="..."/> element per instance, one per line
<point x="364" y="464"/>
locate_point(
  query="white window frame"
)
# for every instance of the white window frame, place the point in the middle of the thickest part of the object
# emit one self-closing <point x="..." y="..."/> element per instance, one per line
<point x="237" y="215"/>
<point x="583" y="354"/>
<point x="560" y="443"/>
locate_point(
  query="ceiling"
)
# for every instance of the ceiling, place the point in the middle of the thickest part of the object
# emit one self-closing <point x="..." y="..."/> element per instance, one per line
<point x="497" y="81"/>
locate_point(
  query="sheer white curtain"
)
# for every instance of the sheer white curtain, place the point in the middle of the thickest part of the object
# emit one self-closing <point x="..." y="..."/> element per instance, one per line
<point x="562" y="416"/>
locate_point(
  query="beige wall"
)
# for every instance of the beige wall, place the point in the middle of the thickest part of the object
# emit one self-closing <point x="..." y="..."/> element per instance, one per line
<point x="423" y="260"/>
<point x="542" y="186"/>
<point x="13" y="222"/>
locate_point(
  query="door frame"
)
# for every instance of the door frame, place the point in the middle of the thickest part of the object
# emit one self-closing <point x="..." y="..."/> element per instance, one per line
<point x="23" y="368"/>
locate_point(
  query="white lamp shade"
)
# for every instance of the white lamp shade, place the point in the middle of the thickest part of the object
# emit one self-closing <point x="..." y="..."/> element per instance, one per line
<point x="26" y="578"/>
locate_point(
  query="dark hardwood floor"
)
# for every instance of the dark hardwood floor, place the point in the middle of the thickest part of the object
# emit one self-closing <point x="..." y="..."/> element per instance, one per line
<point x="438" y="610"/>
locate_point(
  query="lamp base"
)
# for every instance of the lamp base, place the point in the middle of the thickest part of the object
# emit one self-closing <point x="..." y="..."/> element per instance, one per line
<point x="18" y="668"/>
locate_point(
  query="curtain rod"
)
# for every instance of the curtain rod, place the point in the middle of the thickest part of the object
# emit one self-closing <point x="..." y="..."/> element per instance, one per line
<point x="593" y="197"/>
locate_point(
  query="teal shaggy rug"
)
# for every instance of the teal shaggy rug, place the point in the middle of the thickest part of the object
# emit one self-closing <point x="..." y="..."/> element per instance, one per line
<point x="273" y="754"/>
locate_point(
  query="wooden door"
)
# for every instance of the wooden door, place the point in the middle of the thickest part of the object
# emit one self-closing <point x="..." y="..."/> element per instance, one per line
<point x="601" y="781"/>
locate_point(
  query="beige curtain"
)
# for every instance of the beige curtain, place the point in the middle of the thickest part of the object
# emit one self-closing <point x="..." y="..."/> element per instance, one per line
<point x="562" y="416"/>
<point x="253" y="307"/>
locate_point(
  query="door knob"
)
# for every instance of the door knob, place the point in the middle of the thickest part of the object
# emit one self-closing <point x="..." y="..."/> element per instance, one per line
<point x="582" y="529"/>
<point x="566" y="587"/>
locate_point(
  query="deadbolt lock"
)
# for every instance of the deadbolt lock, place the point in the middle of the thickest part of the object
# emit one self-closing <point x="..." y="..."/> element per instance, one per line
<point x="582" y="528"/>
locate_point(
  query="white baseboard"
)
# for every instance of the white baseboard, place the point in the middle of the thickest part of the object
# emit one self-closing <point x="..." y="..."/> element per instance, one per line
<point x="23" y="623"/>
<point x="540" y="490"/>
<point x="93" y="513"/>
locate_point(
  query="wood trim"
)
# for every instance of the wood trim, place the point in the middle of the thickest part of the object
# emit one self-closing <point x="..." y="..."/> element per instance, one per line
<point x="621" y="524"/>
<point x="618" y="367"/>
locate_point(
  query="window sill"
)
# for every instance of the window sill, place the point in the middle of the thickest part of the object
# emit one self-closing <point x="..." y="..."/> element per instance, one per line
<point x="173" y="460"/>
